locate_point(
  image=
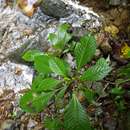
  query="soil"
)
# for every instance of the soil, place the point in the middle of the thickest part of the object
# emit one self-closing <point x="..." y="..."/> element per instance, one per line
<point x="115" y="15"/>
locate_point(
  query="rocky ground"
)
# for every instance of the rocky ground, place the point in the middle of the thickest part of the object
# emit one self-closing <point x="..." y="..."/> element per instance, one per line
<point x="19" y="33"/>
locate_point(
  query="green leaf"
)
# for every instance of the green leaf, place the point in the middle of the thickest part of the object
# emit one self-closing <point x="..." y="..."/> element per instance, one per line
<point x="119" y="82"/>
<point x="61" y="93"/>
<point x="90" y="95"/>
<point x="47" y="84"/>
<point x="124" y="71"/>
<point x="41" y="64"/>
<point x="61" y="37"/>
<point x="85" y="50"/>
<point x="31" y="54"/>
<point x="128" y="54"/>
<point x="52" y="124"/>
<point x="38" y="79"/>
<point x="32" y="102"/>
<point x="120" y="103"/>
<point x="59" y="66"/>
<point x="24" y="101"/>
<point x="75" y="117"/>
<point x="117" y="91"/>
<point x="97" y="72"/>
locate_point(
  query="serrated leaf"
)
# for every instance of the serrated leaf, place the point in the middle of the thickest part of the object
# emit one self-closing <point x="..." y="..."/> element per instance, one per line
<point x="89" y="94"/>
<point x="85" y="50"/>
<point x="41" y="64"/>
<point x="31" y="54"/>
<point x="61" y="93"/>
<point x="52" y="124"/>
<point x="124" y="71"/>
<point x="61" y="37"/>
<point x="37" y="80"/>
<point x="47" y="84"/>
<point x="117" y="91"/>
<point x="32" y="102"/>
<point x="97" y="72"/>
<point x="59" y="66"/>
<point x="75" y="117"/>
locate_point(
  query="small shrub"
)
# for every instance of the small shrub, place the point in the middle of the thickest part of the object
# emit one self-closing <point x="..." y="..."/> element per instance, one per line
<point x="56" y="79"/>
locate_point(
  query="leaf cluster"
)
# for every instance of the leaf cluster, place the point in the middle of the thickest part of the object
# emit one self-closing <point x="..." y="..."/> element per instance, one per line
<point x="56" y="78"/>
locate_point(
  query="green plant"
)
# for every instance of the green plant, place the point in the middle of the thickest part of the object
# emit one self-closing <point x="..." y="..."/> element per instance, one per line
<point x="58" y="82"/>
<point x="118" y="91"/>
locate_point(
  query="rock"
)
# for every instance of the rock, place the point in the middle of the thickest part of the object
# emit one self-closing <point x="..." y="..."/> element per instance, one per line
<point x="70" y="59"/>
<point x="39" y="42"/>
<point x="8" y="125"/>
<point x="85" y="21"/>
<point x="106" y="47"/>
<point x="71" y="12"/>
<point x="19" y="33"/>
<point x="24" y="118"/>
<point x="98" y="53"/>
<point x="9" y="79"/>
<point x="15" y="39"/>
<point x="39" y="127"/>
<point x="100" y="38"/>
<point x="102" y="41"/>
<point x="31" y="124"/>
<point x="55" y="8"/>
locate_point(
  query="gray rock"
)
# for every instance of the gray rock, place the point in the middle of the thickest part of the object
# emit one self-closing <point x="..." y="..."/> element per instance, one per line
<point x="55" y="8"/>
<point x="14" y="40"/>
<point x="82" y="18"/>
<point x="64" y="8"/>
<point x="19" y="33"/>
<point x="15" y="76"/>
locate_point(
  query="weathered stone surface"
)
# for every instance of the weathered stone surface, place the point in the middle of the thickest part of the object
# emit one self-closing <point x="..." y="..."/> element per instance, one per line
<point x="15" y="76"/>
<point x="64" y="8"/>
<point x="55" y="8"/>
<point x="8" y="125"/>
<point x="19" y="33"/>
